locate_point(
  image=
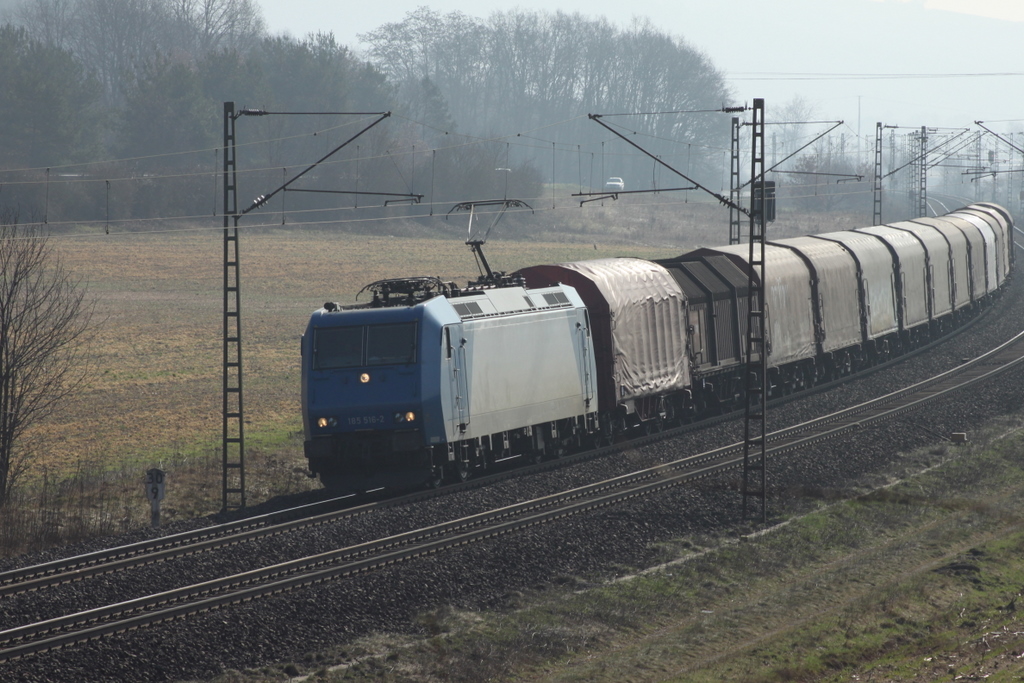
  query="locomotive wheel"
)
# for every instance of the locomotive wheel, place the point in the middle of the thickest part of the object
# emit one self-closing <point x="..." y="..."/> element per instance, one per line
<point x="436" y="478"/>
<point x="460" y="470"/>
<point x="332" y="480"/>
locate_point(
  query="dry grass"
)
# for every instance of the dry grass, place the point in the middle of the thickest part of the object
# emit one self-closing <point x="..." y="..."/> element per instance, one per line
<point x="922" y="584"/>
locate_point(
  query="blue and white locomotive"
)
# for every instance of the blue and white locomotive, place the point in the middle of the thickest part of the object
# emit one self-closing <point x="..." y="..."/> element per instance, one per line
<point x="428" y="382"/>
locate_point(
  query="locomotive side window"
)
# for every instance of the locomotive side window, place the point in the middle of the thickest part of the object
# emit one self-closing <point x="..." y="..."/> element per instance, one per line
<point x="391" y="344"/>
<point x="338" y="347"/>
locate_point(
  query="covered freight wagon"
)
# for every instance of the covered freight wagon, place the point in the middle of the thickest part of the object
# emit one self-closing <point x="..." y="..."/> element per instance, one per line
<point x="716" y="300"/>
<point x="637" y="313"/>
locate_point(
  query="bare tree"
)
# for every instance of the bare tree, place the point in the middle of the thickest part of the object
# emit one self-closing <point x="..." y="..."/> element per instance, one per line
<point x="115" y="37"/>
<point x="51" y="22"/>
<point x="44" y="321"/>
<point x="795" y="118"/>
<point x="209" y="25"/>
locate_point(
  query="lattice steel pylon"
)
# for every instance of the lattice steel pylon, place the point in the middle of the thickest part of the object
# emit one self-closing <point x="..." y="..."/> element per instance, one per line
<point x="233" y="442"/>
<point x="922" y="194"/>
<point x="755" y="442"/>
<point x="877" y="215"/>
<point x="232" y="413"/>
<point x="734" y="183"/>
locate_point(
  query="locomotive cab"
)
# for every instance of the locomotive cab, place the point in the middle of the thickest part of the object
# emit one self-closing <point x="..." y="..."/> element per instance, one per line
<point x="371" y="394"/>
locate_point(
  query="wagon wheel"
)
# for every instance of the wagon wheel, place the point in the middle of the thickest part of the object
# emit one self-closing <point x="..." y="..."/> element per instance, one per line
<point x="654" y="426"/>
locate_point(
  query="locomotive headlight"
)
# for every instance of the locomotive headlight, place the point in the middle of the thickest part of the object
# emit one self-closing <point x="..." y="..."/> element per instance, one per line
<point x="326" y="422"/>
<point x="410" y="416"/>
<point x="364" y="378"/>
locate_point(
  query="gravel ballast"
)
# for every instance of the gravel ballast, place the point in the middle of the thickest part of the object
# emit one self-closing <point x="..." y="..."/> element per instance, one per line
<point x="591" y="547"/>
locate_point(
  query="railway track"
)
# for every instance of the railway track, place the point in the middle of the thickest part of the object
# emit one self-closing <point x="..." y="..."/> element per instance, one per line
<point x="211" y="538"/>
<point x="295" y="574"/>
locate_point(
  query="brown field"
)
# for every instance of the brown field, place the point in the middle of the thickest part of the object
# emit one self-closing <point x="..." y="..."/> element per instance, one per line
<point x="155" y="395"/>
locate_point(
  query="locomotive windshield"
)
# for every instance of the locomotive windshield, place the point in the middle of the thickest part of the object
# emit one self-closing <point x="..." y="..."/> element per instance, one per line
<point x="391" y="344"/>
<point x="349" y="347"/>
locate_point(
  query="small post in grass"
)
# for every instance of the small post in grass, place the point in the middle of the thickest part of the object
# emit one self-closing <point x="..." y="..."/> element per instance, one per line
<point x="155" y="479"/>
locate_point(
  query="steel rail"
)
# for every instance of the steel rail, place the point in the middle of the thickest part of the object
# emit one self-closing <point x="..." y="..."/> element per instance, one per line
<point x="364" y="557"/>
<point x="209" y="538"/>
<point x="111" y="559"/>
<point x="35" y="638"/>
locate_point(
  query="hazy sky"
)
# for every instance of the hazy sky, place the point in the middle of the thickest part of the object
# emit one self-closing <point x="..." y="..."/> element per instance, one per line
<point x="946" y="63"/>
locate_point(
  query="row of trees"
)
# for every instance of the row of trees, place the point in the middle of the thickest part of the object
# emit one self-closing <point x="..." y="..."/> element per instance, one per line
<point x="524" y="71"/>
<point x="132" y="92"/>
<point x="148" y="147"/>
<point x="167" y="102"/>
<point x="114" y="39"/>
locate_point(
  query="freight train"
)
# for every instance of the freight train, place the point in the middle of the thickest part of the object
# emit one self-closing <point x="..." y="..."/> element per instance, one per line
<point x="428" y="382"/>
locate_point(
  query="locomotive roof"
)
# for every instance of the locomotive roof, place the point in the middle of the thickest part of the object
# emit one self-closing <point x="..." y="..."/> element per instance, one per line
<point x="511" y="300"/>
